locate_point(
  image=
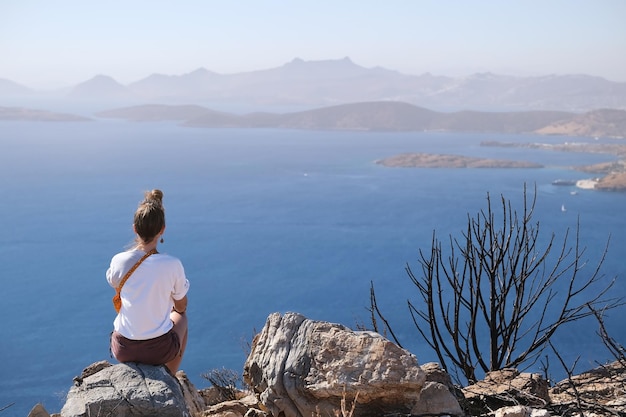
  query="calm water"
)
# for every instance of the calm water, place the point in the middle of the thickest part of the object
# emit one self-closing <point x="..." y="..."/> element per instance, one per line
<point x="263" y="220"/>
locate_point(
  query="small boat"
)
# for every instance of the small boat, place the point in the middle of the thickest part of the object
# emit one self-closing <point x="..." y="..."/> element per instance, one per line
<point x="563" y="207"/>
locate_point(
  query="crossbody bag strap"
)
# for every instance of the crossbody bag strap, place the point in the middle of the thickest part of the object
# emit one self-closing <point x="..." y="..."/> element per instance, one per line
<point x="131" y="270"/>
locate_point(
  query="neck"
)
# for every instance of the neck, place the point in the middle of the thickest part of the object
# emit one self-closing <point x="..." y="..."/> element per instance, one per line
<point x="147" y="246"/>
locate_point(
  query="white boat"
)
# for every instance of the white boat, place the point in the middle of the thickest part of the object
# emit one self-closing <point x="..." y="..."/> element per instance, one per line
<point x="563" y="207"/>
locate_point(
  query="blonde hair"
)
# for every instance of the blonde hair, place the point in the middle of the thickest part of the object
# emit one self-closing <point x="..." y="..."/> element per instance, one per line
<point x="149" y="217"/>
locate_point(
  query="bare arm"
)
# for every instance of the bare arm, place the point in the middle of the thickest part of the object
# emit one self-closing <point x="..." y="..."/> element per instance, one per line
<point x="180" y="306"/>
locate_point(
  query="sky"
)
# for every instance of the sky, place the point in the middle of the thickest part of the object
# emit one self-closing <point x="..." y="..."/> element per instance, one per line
<point x="54" y="44"/>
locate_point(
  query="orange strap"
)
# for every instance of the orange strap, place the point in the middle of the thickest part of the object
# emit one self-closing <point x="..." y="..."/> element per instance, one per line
<point x="123" y="281"/>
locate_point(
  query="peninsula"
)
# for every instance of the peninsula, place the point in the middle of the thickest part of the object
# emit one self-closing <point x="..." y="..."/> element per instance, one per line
<point x="610" y="176"/>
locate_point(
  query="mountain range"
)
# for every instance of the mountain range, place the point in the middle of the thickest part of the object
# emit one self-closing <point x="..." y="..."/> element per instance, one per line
<point x="309" y="84"/>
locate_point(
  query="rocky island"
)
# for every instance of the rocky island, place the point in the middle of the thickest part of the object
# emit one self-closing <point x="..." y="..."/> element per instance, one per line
<point x="609" y="175"/>
<point x="425" y="160"/>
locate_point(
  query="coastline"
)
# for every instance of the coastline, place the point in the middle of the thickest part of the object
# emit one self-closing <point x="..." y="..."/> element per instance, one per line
<point x="586" y="184"/>
<point x="613" y="174"/>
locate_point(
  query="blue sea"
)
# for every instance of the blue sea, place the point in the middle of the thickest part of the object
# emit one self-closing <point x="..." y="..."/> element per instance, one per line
<point x="264" y="221"/>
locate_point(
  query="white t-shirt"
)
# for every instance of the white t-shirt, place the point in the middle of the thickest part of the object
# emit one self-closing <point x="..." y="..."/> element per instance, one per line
<point x="149" y="293"/>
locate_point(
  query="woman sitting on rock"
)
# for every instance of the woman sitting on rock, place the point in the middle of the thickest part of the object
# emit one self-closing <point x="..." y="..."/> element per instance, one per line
<point x="151" y="324"/>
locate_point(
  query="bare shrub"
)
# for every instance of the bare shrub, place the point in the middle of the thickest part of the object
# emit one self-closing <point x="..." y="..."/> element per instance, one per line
<point x="493" y="298"/>
<point x="225" y="382"/>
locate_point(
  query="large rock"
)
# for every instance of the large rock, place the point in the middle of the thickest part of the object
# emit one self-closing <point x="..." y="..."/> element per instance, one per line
<point x="439" y="395"/>
<point x="126" y="390"/>
<point x="300" y="367"/>
<point x="243" y="407"/>
<point x="195" y="401"/>
<point x="600" y="390"/>
<point x="521" y="411"/>
<point x="504" y="388"/>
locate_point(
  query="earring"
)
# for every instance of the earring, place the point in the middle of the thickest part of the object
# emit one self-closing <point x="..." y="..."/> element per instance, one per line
<point x="161" y="238"/>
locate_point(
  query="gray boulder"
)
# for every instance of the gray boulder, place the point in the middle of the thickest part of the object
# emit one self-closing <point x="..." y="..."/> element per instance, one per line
<point x="439" y="395"/>
<point x="128" y="389"/>
<point x="300" y="367"/>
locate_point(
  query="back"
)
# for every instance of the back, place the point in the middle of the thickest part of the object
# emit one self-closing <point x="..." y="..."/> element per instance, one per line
<point x="148" y="295"/>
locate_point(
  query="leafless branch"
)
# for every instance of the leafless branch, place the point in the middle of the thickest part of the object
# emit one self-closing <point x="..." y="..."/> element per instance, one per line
<point x="495" y="297"/>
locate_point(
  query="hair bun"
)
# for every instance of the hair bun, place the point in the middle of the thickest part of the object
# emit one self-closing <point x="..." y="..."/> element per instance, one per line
<point x="154" y="195"/>
<point x="149" y="218"/>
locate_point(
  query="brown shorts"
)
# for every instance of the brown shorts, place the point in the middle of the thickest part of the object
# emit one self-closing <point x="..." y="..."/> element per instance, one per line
<point x="157" y="351"/>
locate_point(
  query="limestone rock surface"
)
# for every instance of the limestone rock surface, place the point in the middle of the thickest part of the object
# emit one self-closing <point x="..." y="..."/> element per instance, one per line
<point x="300" y="367"/>
<point x="601" y="391"/>
<point x="507" y="387"/>
<point x="195" y="401"/>
<point x="243" y="407"/>
<point x="439" y="395"/>
<point x="521" y="411"/>
<point x="128" y="389"/>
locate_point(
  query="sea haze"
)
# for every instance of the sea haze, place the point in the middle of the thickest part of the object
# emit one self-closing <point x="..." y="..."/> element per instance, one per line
<point x="264" y="220"/>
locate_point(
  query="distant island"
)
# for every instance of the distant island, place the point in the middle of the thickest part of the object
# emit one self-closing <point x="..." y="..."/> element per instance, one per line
<point x="25" y="114"/>
<point x="389" y="116"/>
<point x="425" y="160"/>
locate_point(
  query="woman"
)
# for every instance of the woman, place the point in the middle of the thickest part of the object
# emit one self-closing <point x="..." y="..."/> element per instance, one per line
<point x="151" y="325"/>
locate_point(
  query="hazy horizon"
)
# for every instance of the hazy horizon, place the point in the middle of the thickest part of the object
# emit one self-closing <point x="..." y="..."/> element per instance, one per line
<point x="60" y="44"/>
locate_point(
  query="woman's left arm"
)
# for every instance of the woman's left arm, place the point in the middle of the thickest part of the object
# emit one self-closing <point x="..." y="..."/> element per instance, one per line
<point x="180" y="306"/>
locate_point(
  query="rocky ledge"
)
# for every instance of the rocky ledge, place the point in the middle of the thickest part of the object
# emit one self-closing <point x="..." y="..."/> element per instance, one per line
<point x="301" y="368"/>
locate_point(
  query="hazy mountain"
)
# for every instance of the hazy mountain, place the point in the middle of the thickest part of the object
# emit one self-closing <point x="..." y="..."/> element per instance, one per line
<point x="330" y="82"/>
<point x="195" y="84"/>
<point x="564" y="92"/>
<point x="390" y="116"/>
<point x="100" y="87"/>
<point x="311" y="84"/>
<point x="600" y="123"/>
<point x="363" y="116"/>
<point x="298" y="82"/>
<point x="9" y="89"/>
